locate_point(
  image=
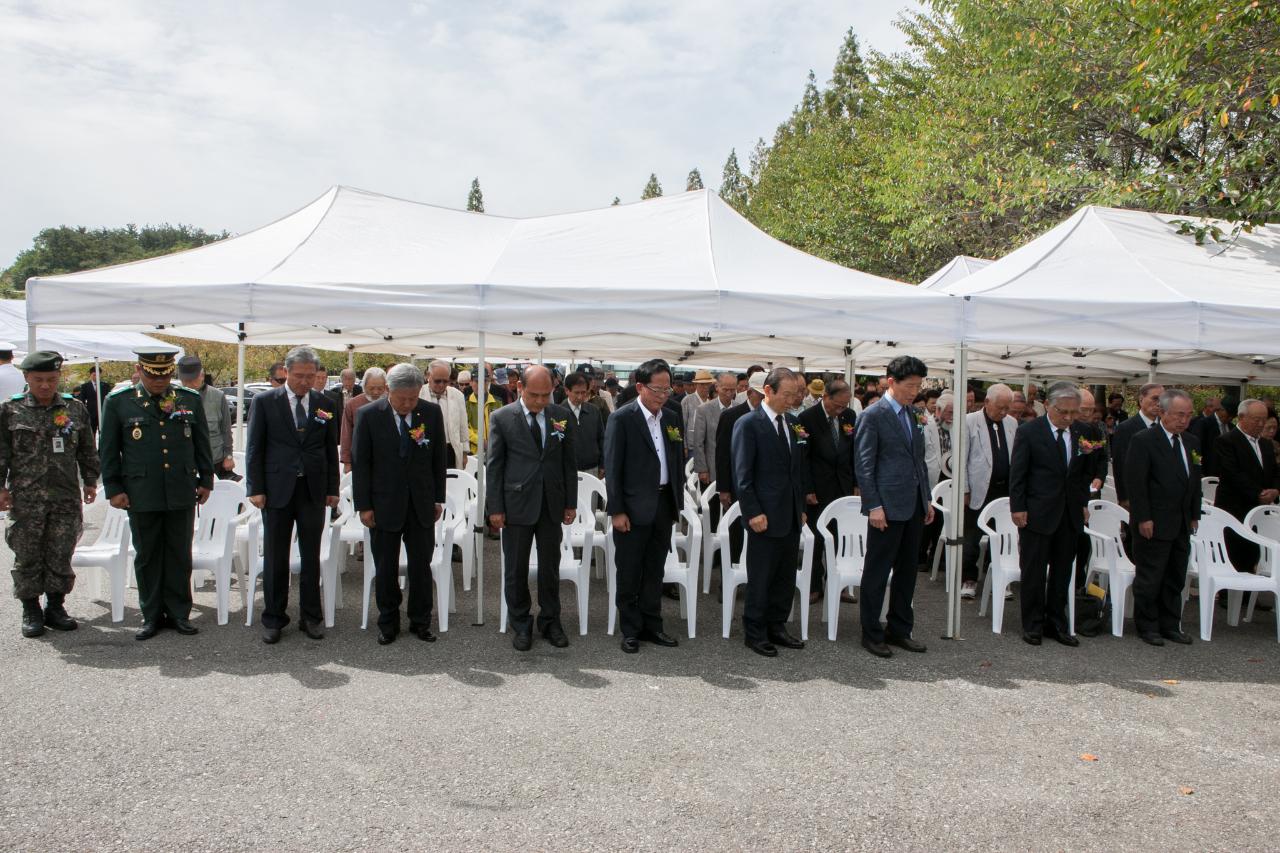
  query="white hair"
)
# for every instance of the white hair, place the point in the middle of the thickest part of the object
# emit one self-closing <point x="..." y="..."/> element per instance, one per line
<point x="301" y="355"/>
<point x="1000" y="390"/>
<point x="1243" y="409"/>
<point x="404" y="376"/>
<point x="375" y="373"/>
<point x="1063" y="391"/>
<point x="947" y="399"/>
<point x="439" y="362"/>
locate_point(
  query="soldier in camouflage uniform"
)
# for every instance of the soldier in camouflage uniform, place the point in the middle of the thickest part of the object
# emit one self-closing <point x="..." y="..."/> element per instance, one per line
<point x="156" y="464"/>
<point x="46" y="451"/>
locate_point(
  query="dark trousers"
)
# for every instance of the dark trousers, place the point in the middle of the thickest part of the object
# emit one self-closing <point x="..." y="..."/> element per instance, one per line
<point x="517" y="540"/>
<point x="973" y="534"/>
<point x="1161" y="573"/>
<point x="1084" y="552"/>
<point x="162" y="564"/>
<point x="1044" y="607"/>
<point x="278" y="524"/>
<point x="929" y="538"/>
<point x="771" y="582"/>
<point x="894" y="548"/>
<point x="450" y="457"/>
<point x="641" y="557"/>
<point x="419" y="542"/>
<point x="737" y="534"/>
<point x="818" y="579"/>
<point x="1242" y="553"/>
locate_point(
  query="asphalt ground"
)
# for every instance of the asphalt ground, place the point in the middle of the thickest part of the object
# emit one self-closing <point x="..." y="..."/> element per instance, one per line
<point x="219" y="742"/>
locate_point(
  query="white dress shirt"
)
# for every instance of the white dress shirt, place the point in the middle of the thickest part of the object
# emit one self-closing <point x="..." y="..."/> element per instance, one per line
<point x="773" y="421"/>
<point x="1253" y="442"/>
<point x="654" y="423"/>
<point x="294" y="398"/>
<point x="1186" y="469"/>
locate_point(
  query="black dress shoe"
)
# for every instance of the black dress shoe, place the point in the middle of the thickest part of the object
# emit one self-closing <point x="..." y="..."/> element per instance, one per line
<point x="522" y="642"/>
<point x="1152" y="639"/>
<point x="880" y="650"/>
<point x="1067" y="639"/>
<point x="1031" y="639"/>
<point x="424" y="633"/>
<point x="183" y="626"/>
<point x="147" y="631"/>
<point x="763" y="647"/>
<point x="270" y="636"/>
<point x="555" y="635"/>
<point x="658" y="638"/>
<point x="905" y="643"/>
<point x="630" y="645"/>
<point x="782" y="638"/>
<point x="311" y="629"/>
<point x="1182" y="638"/>
<point x="385" y="637"/>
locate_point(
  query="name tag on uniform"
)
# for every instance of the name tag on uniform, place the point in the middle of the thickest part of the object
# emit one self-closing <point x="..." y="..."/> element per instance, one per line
<point x="186" y="432"/>
<point x="59" y="444"/>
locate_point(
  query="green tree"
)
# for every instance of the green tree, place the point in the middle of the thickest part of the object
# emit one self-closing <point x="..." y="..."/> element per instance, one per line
<point x="475" y="198"/>
<point x="652" y="189"/>
<point x="694" y="181"/>
<point x="734" y="187"/>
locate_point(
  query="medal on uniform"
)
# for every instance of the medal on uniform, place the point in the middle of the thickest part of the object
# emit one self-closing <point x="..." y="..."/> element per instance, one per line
<point x="58" y="444"/>
<point x="137" y="433"/>
<point x="186" y="432"/>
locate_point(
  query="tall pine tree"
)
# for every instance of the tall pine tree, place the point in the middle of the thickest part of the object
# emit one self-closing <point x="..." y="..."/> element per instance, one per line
<point x="475" y="198"/>
<point x="694" y="181"/>
<point x="734" y="187"/>
<point x="652" y="189"/>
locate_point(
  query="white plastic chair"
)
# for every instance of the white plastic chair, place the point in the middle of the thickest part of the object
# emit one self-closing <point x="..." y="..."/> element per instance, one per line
<point x="248" y="557"/>
<point x="572" y="568"/>
<point x="591" y="494"/>
<point x="1265" y="521"/>
<point x="464" y="522"/>
<point x="1005" y="569"/>
<point x="213" y="548"/>
<point x="472" y="466"/>
<point x="941" y="500"/>
<point x="352" y="530"/>
<point x="845" y="550"/>
<point x="1208" y="489"/>
<point x="683" y="570"/>
<point x="109" y="554"/>
<point x="1214" y="572"/>
<point x="441" y="566"/>
<point x="1108" y="562"/>
<point x="710" y="543"/>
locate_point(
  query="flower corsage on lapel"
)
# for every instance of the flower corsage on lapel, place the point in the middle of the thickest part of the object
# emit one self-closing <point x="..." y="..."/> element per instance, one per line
<point x="674" y="434"/>
<point x="558" y="428"/>
<point x="63" y="422"/>
<point x="801" y="434"/>
<point x="322" y="416"/>
<point x="1085" y="447"/>
<point x="921" y="419"/>
<point x="174" y="409"/>
<point x="847" y="429"/>
<point x="1195" y="457"/>
<point x="419" y="435"/>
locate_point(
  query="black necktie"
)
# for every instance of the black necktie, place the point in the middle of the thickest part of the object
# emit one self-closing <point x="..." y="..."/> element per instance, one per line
<point x="404" y="437"/>
<point x="782" y="433"/>
<point x="299" y="414"/>
<point x="1177" y="449"/>
<point x="533" y="428"/>
<point x="1062" y="444"/>
<point x="835" y="430"/>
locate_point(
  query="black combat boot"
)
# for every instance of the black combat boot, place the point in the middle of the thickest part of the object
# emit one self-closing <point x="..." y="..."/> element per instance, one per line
<point x="32" y="618"/>
<point x="55" y="615"/>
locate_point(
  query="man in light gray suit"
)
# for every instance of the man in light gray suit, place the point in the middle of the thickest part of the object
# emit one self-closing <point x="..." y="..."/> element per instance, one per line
<point x="889" y="458"/>
<point x="989" y="449"/>
<point x="532" y="489"/>
<point x="702" y="430"/>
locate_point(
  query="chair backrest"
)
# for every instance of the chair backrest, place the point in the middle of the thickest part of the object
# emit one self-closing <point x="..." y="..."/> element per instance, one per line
<point x="941" y="494"/>
<point x="688" y="467"/>
<point x="473" y="464"/>
<point x="708" y="495"/>
<point x="1208" y="489"/>
<point x="1265" y="521"/>
<point x="997" y="523"/>
<point x="1106" y="517"/>
<point x="849" y="540"/>
<point x="218" y="513"/>
<point x="466" y="479"/>
<point x="1208" y="543"/>
<point x="945" y="464"/>
<point x="591" y="496"/>
<point x="693" y="551"/>
<point x="115" y="528"/>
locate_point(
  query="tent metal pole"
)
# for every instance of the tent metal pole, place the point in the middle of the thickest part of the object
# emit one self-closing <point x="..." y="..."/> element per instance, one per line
<point x="240" y="336"/>
<point x="1151" y="371"/>
<point x="97" y="391"/>
<point x="1026" y="381"/>
<point x="482" y="397"/>
<point x="351" y="356"/>
<point x="31" y="338"/>
<point x="954" y="533"/>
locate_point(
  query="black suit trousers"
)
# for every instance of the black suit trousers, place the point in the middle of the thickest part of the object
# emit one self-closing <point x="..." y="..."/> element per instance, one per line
<point x="1161" y="574"/>
<point x="419" y="543"/>
<point x="641" y="558"/>
<point x="517" y="540"/>
<point x="277" y="529"/>
<point x="1242" y="553"/>
<point x="818" y="579"/>
<point x="896" y="549"/>
<point x="1044" y="606"/>
<point x="771" y="582"/>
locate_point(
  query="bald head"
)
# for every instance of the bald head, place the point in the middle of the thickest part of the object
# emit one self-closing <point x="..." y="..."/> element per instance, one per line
<point x="535" y="388"/>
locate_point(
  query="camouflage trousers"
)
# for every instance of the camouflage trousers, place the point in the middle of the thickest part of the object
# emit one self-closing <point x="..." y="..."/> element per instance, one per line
<point x="42" y="539"/>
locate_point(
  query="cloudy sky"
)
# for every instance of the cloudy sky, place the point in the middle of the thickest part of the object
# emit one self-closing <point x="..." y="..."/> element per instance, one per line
<point x="230" y="114"/>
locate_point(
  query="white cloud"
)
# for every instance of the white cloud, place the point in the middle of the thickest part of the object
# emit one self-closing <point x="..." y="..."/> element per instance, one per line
<point x="228" y="115"/>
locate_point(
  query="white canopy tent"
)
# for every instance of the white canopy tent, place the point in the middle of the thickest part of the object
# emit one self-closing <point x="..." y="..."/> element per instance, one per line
<point x="77" y="345"/>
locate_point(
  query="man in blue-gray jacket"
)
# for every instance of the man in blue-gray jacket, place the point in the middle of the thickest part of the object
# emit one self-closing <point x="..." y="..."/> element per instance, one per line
<point x="889" y="455"/>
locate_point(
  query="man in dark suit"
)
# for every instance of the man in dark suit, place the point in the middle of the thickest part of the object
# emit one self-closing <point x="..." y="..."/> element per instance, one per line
<point x="724" y="453"/>
<point x="1162" y="468"/>
<point x="588" y="438"/>
<point x="643" y="467"/>
<point x="830" y="425"/>
<point x="90" y="393"/>
<point x="1048" y="491"/>
<point x="292" y="463"/>
<point x="532" y="489"/>
<point x="398" y="487"/>
<point x="889" y="455"/>
<point x="1093" y="448"/>
<point x="1246" y="476"/>
<point x="1209" y="427"/>
<point x="772" y="479"/>
<point x="1148" y="415"/>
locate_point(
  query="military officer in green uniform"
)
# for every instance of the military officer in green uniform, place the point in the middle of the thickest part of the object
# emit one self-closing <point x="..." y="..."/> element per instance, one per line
<point x="156" y="464"/>
<point x="48" y="465"/>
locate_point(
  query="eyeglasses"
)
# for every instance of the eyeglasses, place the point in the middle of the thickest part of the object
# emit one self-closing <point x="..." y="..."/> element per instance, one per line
<point x="277" y="380"/>
<point x="661" y="392"/>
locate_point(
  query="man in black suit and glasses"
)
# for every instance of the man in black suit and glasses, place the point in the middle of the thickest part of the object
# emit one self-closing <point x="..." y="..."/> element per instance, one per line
<point x="1049" y="479"/>
<point x="830" y="425"/>
<point x="1162" y="469"/>
<point x="772" y="479"/>
<point x="292" y="462"/>
<point x="398" y="487"/>
<point x="643" y="467"/>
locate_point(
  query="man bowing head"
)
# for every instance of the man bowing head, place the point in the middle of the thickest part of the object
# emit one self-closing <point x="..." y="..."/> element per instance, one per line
<point x="398" y="487"/>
